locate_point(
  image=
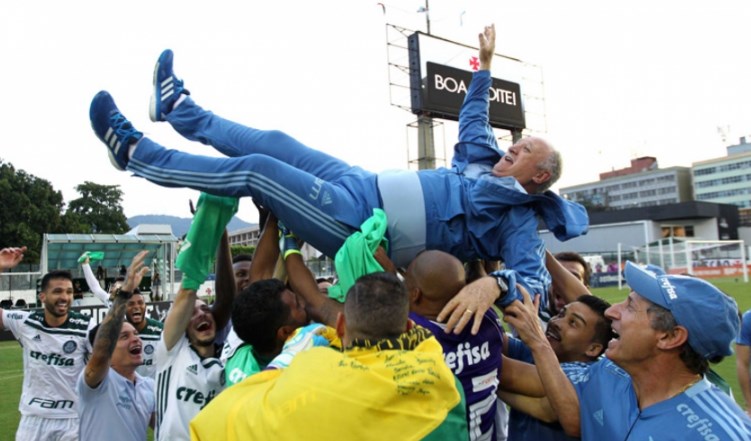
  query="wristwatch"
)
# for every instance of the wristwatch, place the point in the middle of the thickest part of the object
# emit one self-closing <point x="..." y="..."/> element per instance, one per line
<point x="503" y="286"/>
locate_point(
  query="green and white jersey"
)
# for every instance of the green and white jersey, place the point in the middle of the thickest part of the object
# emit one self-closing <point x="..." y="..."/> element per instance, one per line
<point x="53" y="358"/>
<point x="150" y="337"/>
<point x="240" y="361"/>
<point x="185" y="383"/>
<point x="231" y="343"/>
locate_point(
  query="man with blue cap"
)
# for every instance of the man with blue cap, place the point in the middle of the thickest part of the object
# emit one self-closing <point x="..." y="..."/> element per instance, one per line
<point x="651" y="385"/>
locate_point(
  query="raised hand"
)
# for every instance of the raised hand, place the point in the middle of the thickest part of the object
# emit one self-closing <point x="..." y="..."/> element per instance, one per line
<point x="487" y="46"/>
<point x="10" y="257"/>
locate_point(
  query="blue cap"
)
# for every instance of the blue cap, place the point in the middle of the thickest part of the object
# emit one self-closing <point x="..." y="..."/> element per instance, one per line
<point x="710" y="316"/>
<point x="657" y="270"/>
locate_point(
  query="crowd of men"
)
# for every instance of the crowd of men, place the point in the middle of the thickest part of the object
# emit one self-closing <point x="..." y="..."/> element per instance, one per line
<point x="408" y="342"/>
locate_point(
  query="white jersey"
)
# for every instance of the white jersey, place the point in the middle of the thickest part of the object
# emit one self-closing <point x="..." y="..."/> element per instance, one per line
<point x="150" y="336"/>
<point x="185" y="383"/>
<point x="230" y="345"/>
<point x="52" y="360"/>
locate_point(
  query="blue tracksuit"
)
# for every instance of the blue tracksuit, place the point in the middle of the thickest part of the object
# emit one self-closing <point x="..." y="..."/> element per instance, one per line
<point x="610" y="409"/>
<point x="464" y="210"/>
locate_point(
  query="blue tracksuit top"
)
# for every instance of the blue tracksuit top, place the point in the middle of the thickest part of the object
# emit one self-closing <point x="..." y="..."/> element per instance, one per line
<point x="474" y="215"/>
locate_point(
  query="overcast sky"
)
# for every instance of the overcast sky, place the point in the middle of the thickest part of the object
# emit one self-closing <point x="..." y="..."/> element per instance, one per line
<point x="621" y="80"/>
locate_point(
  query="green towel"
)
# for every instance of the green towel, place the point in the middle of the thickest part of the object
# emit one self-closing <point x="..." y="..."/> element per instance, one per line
<point x="355" y="258"/>
<point x="211" y="218"/>
<point x="92" y="255"/>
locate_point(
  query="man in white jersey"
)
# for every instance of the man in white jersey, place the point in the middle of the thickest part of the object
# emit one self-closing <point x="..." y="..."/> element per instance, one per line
<point x="92" y="281"/>
<point x="55" y="347"/>
<point x="116" y="403"/>
<point x="188" y="370"/>
<point x="149" y="330"/>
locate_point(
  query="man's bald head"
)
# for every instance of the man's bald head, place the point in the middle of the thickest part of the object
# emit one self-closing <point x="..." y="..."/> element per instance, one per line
<point x="433" y="278"/>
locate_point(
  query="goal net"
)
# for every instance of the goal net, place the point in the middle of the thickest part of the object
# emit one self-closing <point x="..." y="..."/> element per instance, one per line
<point x="701" y="258"/>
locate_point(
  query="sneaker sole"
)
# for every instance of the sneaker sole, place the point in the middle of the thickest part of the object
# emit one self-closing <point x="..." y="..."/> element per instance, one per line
<point x="154" y="101"/>
<point x="114" y="161"/>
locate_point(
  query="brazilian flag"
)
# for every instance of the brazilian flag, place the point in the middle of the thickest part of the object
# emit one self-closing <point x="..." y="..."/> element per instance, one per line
<point x="359" y="394"/>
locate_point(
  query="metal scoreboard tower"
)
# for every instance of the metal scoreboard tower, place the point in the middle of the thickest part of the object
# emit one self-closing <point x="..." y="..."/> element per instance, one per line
<point x="428" y="76"/>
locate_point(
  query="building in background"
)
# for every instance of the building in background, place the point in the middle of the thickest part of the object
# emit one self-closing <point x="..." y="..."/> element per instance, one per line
<point x="648" y="214"/>
<point x="726" y="180"/>
<point x="635" y="228"/>
<point x="247" y="237"/>
<point x="643" y="184"/>
<point x="319" y="264"/>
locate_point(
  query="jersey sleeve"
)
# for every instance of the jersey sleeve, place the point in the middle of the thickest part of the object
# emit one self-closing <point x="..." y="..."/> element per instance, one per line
<point x="163" y="356"/>
<point x="577" y="372"/>
<point x="12" y="321"/>
<point x="94" y="285"/>
<point x="517" y="350"/>
<point x="592" y="374"/>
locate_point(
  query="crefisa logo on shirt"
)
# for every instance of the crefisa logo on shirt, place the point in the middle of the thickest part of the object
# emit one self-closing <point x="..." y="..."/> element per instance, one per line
<point x="466" y="355"/>
<point x="694" y="421"/>
<point x="69" y="347"/>
<point x="52" y="359"/>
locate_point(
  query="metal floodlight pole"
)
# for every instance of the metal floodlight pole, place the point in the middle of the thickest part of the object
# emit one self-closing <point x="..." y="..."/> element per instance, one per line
<point x="427" y="17"/>
<point x="662" y="258"/>
<point x="426" y="143"/>
<point x="516" y="135"/>
<point x="620" y="281"/>
<point x="425" y="138"/>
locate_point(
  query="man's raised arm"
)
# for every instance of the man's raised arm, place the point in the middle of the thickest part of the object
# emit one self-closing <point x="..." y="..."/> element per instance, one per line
<point x="225" y="287"/>
<point x="9" y="258"/>
<point x="487" y="46"/>
<point x="209" y="223"/>
<point x="476" y="143"/>
<point x="564" y="283"/>
<point x="558" y="389"/>
<point x="267" y="251"/>
<point x="320" y="307"/>
<point x="109" y="330"/>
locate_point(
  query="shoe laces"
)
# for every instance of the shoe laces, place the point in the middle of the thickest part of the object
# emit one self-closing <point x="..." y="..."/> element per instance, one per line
<point x="123" y="128"/>
<point x="179" y="87"/>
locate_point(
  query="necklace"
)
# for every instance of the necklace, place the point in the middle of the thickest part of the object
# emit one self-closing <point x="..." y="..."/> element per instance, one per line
<point x="688" y="386"/>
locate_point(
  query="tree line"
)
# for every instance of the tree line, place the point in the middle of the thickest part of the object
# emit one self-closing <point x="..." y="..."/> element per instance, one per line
<point x="30" y="207"/>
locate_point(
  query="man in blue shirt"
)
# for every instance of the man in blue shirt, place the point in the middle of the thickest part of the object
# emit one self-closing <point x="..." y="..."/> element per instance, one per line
<point x="486" y="206"/>
<point x="743" y="359"/>
<point x="578" y="335"/>
<point x="651" y="384"/>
